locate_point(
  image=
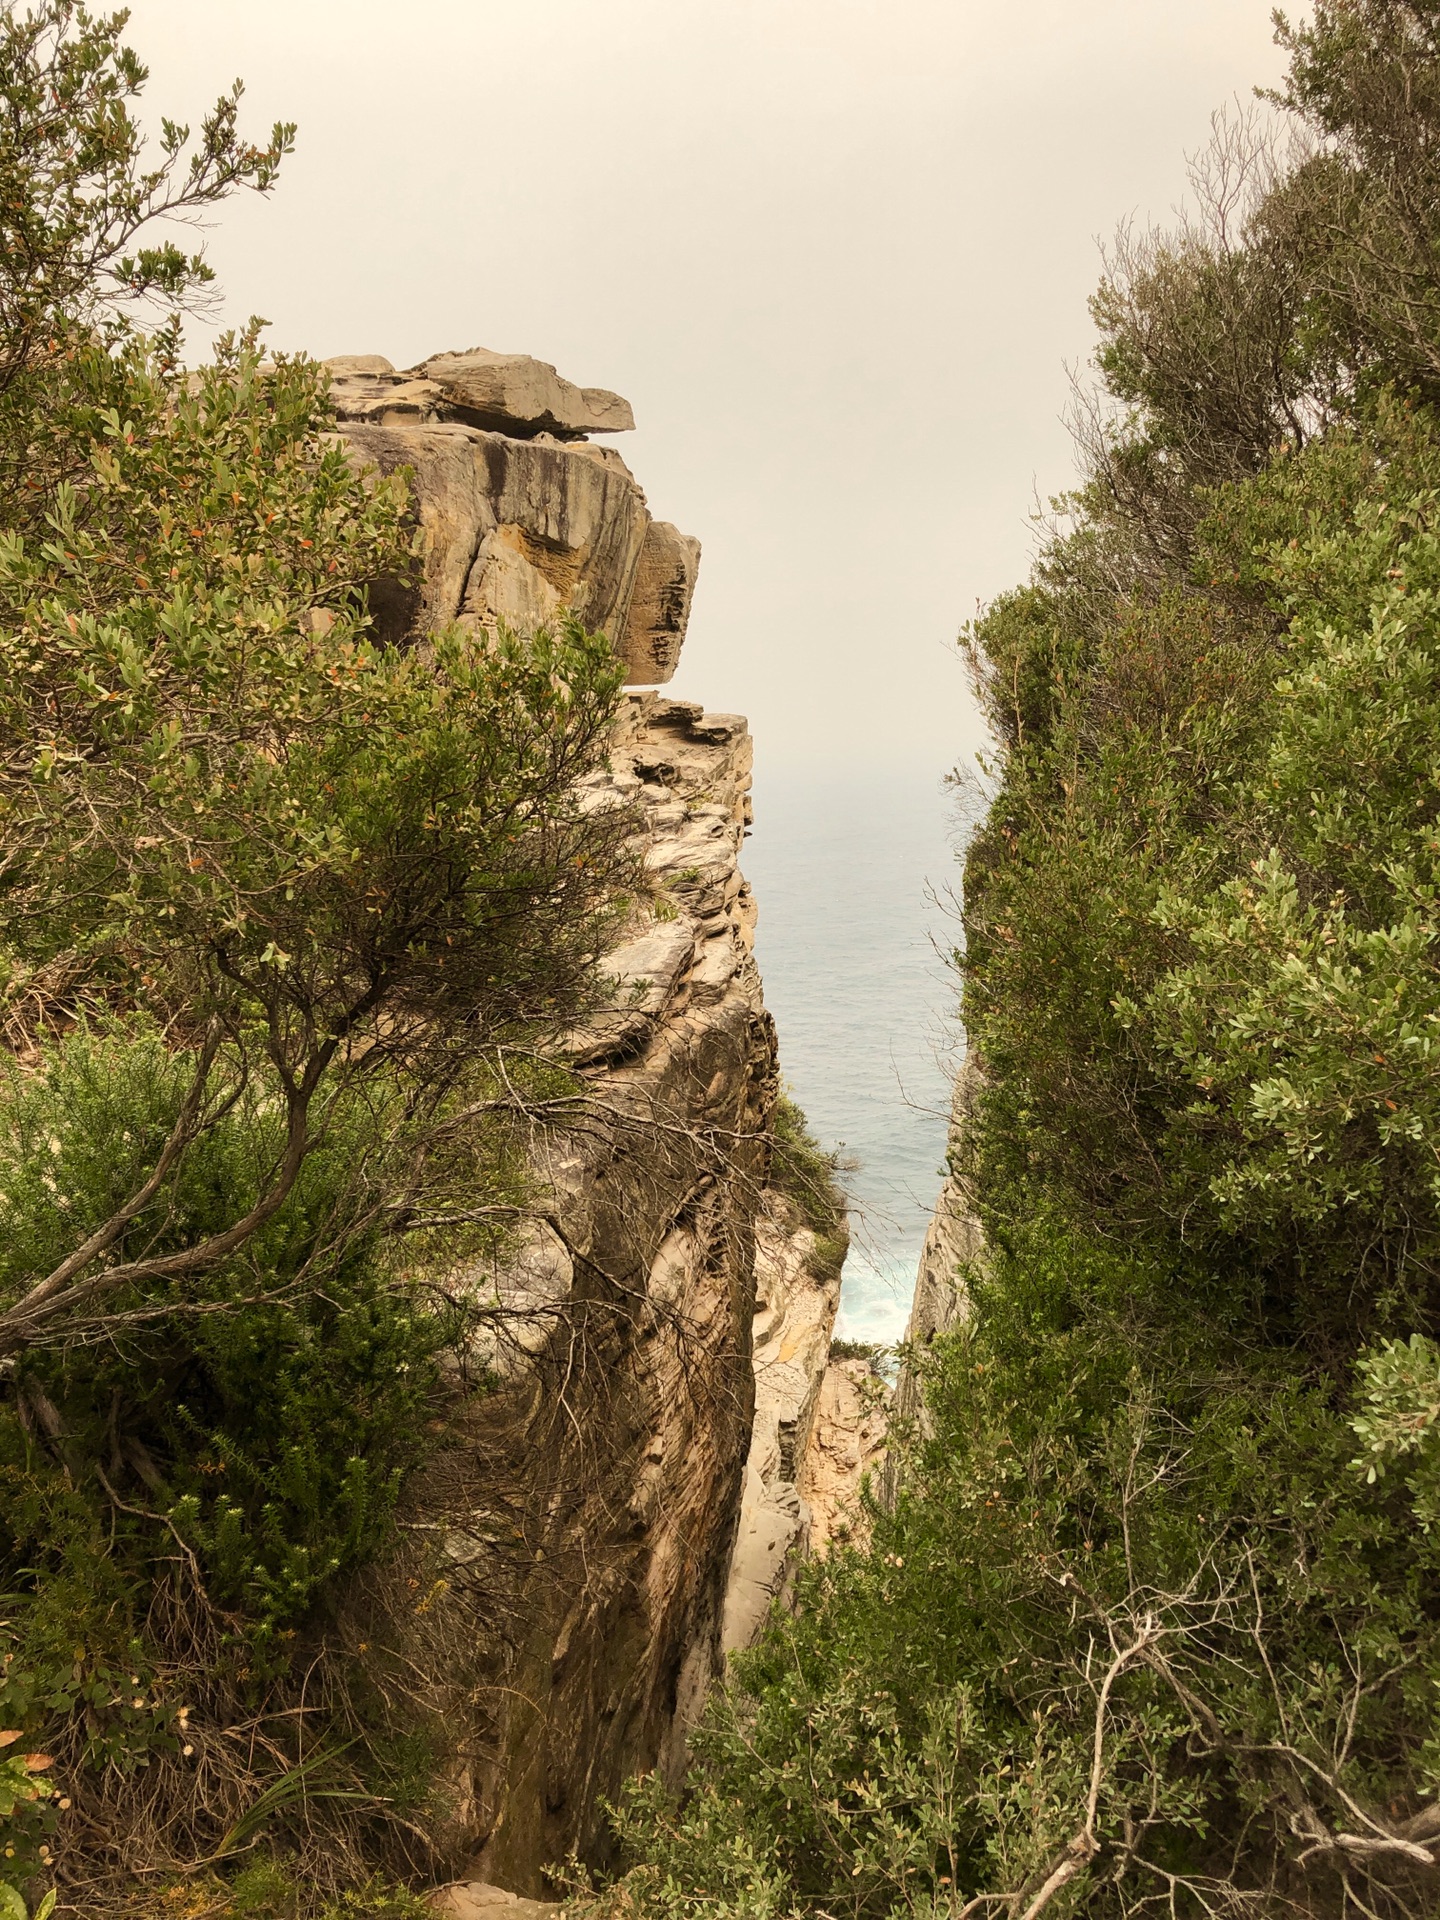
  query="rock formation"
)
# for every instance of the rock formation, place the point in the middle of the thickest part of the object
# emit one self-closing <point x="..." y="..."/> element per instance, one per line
<point x="481" y="1900"/>
<point x="847" y="1442"/>
<point x="521" y="514"/>
<point x="953" y="1237"/>
<point x="557" y="1617"/>
<point x="794" y="1316"/>
<point x="953" y="1240"/>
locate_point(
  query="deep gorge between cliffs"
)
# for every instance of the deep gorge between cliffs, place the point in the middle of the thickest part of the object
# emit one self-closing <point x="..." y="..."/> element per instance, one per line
<point x="666" y="1432"/>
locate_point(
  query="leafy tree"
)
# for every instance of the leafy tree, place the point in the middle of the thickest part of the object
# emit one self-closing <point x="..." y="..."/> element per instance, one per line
<point x="319" y="861"/>
<point x="290" y="917"/>
<point x="83" y="215"/>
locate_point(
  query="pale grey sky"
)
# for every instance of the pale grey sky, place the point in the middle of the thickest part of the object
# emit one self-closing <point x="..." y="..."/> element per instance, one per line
<point x="835" y="252"/>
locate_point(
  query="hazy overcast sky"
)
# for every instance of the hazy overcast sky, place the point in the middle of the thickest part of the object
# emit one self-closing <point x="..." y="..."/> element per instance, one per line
<point x="836" y="253"/>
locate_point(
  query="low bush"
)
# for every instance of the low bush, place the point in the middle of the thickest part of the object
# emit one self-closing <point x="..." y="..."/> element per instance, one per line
<point x="810" y="1177"/>
<point x="181" y="1503"/>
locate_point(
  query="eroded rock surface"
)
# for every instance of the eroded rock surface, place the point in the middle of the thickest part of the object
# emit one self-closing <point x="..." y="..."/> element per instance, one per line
<point x="953" y="1240"/>
<point x="856" y="1405"/>
<point x="569" y="1588"/>
<point x="559" y="1615"/>
<point x="794" y="1317"/>
<point x="847" y="1441"/>
<point x="509" y="391"/>
<point x="520" y="514"/>
<point x="477" y="1900"/>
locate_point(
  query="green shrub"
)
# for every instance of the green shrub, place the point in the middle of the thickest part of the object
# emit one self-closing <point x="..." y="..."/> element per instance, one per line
<point x="1099" y="1468"/>
<point x="270" y="1892"/>
<point x="291" y="909"/>
<point x="808" y="1176"/>
<point x="268" y="1425"/>
<point x="855" y="1349"/>
<point x="183" y="1504"/>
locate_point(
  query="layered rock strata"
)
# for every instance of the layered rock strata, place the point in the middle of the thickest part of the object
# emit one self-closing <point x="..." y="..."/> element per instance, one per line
<point x="954" y="1240"/>
<point x="563" y="1606"/>
<point x="521" y="514"/>
<point x="847" y="1442"/>
<point x="795" y="1309"/>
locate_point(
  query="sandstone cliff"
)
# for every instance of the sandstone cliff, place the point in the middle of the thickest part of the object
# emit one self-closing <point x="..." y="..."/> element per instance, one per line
<point x="847" y="1442"/>
<point x="521" y="513"/>
<point x="794" y="1316"/>
<point x="582" y="1515"/>
<point x="953" y="1240"/>
<point x="558" y="1616"/>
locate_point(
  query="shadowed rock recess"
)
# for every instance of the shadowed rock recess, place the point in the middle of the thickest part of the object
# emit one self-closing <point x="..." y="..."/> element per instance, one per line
<point x="559" y="1610"/>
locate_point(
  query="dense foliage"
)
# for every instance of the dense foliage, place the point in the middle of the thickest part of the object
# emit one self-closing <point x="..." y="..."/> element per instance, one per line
<point x="289" y="918"/>
<point x="811" y="1179"/>
<point x="1152" y="1624"/>
<point x="84" y="217"/>
<point x="327" y="863"/>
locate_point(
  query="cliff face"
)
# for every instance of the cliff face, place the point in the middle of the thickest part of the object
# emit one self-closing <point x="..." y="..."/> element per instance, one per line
<point x="521" y="514"/>
<point x="595" y="1493"/>
<point x="558" y="1616"/>
<point x="952" y="1240"/>
<point x="847" y="1441"/>
<point x="794" y="1316"/>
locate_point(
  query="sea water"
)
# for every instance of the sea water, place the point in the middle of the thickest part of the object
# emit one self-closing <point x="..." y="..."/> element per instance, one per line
<point x="855" y="874"/>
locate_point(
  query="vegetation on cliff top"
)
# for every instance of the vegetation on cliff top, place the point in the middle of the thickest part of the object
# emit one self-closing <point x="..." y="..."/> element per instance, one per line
<point x="1152" y="1628"/>
<point x="285" y="913"/>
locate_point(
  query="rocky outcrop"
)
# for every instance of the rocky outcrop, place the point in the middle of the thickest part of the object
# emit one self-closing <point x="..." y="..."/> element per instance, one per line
<point x="521" y="515"/>
<point x="822" y="1420"/>
<point x="660" y="602"/>
<point x="510" y="391"/>
<point x="795" y="1309"/>
<point x="476" y="1900"/>
<point x="557" y="1620"/>
<point x="953" y="1238"/>
<point x="507" y="393"/>
<point x="847" y="1442"/>
<point x="573" y="1576"/>
<point x="953" y="1241"/>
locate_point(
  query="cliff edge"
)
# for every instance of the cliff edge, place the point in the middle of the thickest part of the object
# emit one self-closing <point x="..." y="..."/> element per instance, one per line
<point x="562" y="1605"/>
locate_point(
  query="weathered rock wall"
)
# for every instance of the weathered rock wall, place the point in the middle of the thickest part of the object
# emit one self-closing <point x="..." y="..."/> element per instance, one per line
<point x="847" y="1442"/>
<point x="557" y="1617"/>
<point x="953" y="1240"/>
<point x="794" y="1317"/>
<point x="521" y="514"/>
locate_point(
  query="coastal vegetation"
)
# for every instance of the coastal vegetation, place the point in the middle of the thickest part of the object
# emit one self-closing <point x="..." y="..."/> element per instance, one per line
<point x="1151" y="1625"/>
<point x="812" y="1180"/>
<point x="289" y="914"/>
<point x="293" y="914"/>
